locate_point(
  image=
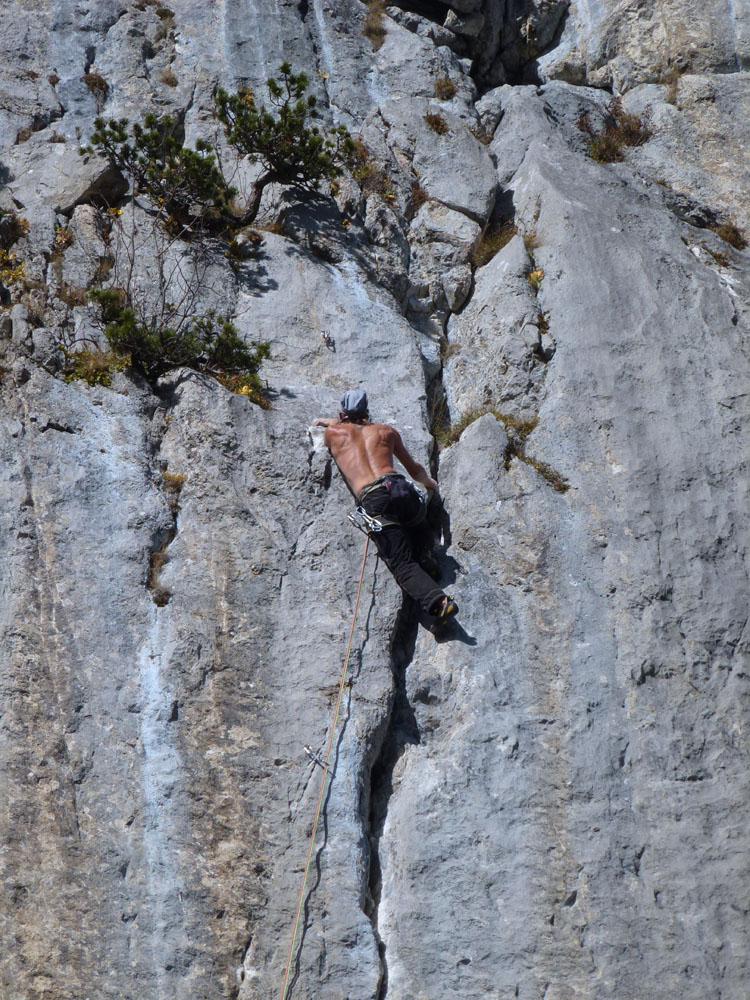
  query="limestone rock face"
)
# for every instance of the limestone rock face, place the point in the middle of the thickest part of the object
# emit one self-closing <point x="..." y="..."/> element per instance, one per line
<point x="549" y="799"/>
<point x="624" y="42"/>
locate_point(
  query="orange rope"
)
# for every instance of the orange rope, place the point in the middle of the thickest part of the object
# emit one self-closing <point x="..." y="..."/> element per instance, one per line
<point x="325" y="775"/>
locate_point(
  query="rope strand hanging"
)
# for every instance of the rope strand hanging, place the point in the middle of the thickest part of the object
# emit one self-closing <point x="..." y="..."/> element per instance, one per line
<point x="326" y="762"/>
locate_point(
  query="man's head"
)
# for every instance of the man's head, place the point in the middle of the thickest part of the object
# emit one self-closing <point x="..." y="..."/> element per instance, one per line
<point x="354" y="408"/>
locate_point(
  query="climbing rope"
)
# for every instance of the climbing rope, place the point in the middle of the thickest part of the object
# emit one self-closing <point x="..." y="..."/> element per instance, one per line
<point x="325" y="775"/>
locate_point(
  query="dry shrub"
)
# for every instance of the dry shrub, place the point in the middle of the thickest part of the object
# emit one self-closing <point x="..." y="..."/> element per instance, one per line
<point x="173" y="483"/>
<point x="93" y="366"/>
<point x="436" y="122"/>
<point x="492" y="241"/>
<point x="418" y="196"/>
<point x="73" y="295"/>
<point x="619" y="129"/>
<point x="730" y="234"/>
<point x="63" y="237"/>
<point x="445" y="88"/>
<point x="96" y="84"/>
<point x="12" y="228"/>
<point x="482" y="134"/>
<point x="369" y="175"/>
<point x="98" y="87"/>
<point x="374" y="26"/>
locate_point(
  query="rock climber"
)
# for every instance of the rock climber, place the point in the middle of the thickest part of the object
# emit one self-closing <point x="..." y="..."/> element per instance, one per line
<point x="364" y="452"/>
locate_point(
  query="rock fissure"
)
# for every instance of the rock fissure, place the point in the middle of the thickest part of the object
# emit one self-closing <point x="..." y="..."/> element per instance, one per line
<point x="171" y="485"/>
<point x="401" y="731"/>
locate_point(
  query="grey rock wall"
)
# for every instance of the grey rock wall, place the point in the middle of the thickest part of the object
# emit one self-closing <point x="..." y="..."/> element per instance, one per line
<point x="549" y="801"/>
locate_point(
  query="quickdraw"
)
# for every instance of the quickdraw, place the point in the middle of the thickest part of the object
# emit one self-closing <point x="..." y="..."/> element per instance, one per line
<point x="366" y="522"/>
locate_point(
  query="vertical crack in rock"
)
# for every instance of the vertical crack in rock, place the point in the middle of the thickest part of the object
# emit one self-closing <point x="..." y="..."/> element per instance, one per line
<point x="401" y="731"/>
<point x="172" y="484"/>
<point x="160" y="595"/>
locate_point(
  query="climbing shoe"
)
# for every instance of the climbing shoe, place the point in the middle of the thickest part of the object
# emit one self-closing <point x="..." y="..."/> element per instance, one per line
<point x="446" y="610"/>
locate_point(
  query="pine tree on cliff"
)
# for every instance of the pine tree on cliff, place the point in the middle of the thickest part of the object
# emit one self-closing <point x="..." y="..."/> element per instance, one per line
<point x="289" y="150"/>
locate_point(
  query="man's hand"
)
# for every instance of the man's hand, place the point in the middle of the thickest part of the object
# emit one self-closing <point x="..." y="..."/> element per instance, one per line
<point x="431" y="484"/>
<point x="324" y="421"/>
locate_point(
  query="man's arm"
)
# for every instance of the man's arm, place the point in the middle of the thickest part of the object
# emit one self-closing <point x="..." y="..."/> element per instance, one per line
<point x="415" y="470"/>
<point x="324" y="421"/>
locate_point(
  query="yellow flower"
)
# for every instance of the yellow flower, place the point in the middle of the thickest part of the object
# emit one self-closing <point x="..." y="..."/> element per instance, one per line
<point x="535" y="277"/>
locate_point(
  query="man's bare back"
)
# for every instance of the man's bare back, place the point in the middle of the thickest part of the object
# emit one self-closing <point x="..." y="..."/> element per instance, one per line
<point x="363" y="453"/>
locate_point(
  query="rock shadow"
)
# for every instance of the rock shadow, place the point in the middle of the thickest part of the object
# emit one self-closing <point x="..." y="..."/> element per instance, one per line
<point x="449" y="568"/>
<point x="252" y="274"/>
<point x="401" y="732"/>
<point x="316" y="226"/>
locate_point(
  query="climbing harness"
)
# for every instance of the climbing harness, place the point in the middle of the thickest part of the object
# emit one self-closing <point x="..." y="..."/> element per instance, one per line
<point x="325" y="765"/>
<point x="370" y="523"/>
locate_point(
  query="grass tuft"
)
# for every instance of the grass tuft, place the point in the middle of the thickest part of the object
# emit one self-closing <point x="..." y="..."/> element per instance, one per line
<point x="619" y="129"/>
<point x="436" y="122"/>
<point x="418" y="196"/>
<point x="445" y="88"/>
<point x="730" y="234"/>
<point x="93" y="366"/>
<point x="245" y="384"/>
<point x="491" y="243"/>
<point x="173" y="483"/>
<point x="535" y="278"/>
<point x="374" y="26"/>
<point x="518" y="430"/>
<point x="369" y="175"/>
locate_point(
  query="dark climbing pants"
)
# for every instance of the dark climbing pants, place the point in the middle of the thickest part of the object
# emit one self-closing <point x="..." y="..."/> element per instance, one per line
<point x="398" y="544"/>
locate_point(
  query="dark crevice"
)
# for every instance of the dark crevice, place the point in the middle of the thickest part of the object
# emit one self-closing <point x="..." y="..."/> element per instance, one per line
<point x="527" y="71"/>
<point x="401" y="732"/>
<point x="172" y="485"/>
<point x="160" y="595"/>
<point x="52" y="425"/>
<point x="304" y="8"/>
<point x="431" y="10"/>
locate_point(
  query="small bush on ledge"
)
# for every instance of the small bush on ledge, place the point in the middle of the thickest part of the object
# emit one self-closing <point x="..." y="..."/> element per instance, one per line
<point x="436" y="122"/>
<point x="186" y="185"/>
<point x="283" y="141"/>
<point x="209" y="344"/>
<point x="619" y="129"/>
<point x="445" y="88"/>
<point x="730" y="234"/>
<point x="92" y="366"/>
<point x="374" y="26"/>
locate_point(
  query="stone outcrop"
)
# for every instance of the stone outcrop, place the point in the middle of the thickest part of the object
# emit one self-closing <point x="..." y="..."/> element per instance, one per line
<point x="550" y="799"/>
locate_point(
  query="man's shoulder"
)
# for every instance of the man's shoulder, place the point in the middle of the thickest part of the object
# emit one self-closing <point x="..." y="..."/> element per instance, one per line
<point x="380" y="429"/>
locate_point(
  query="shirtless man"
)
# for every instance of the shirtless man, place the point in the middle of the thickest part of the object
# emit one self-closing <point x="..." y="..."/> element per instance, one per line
<point x="364" y="455"/>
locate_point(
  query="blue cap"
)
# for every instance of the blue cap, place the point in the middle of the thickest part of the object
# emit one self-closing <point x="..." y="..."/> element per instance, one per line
<point x="354" y="403"/>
